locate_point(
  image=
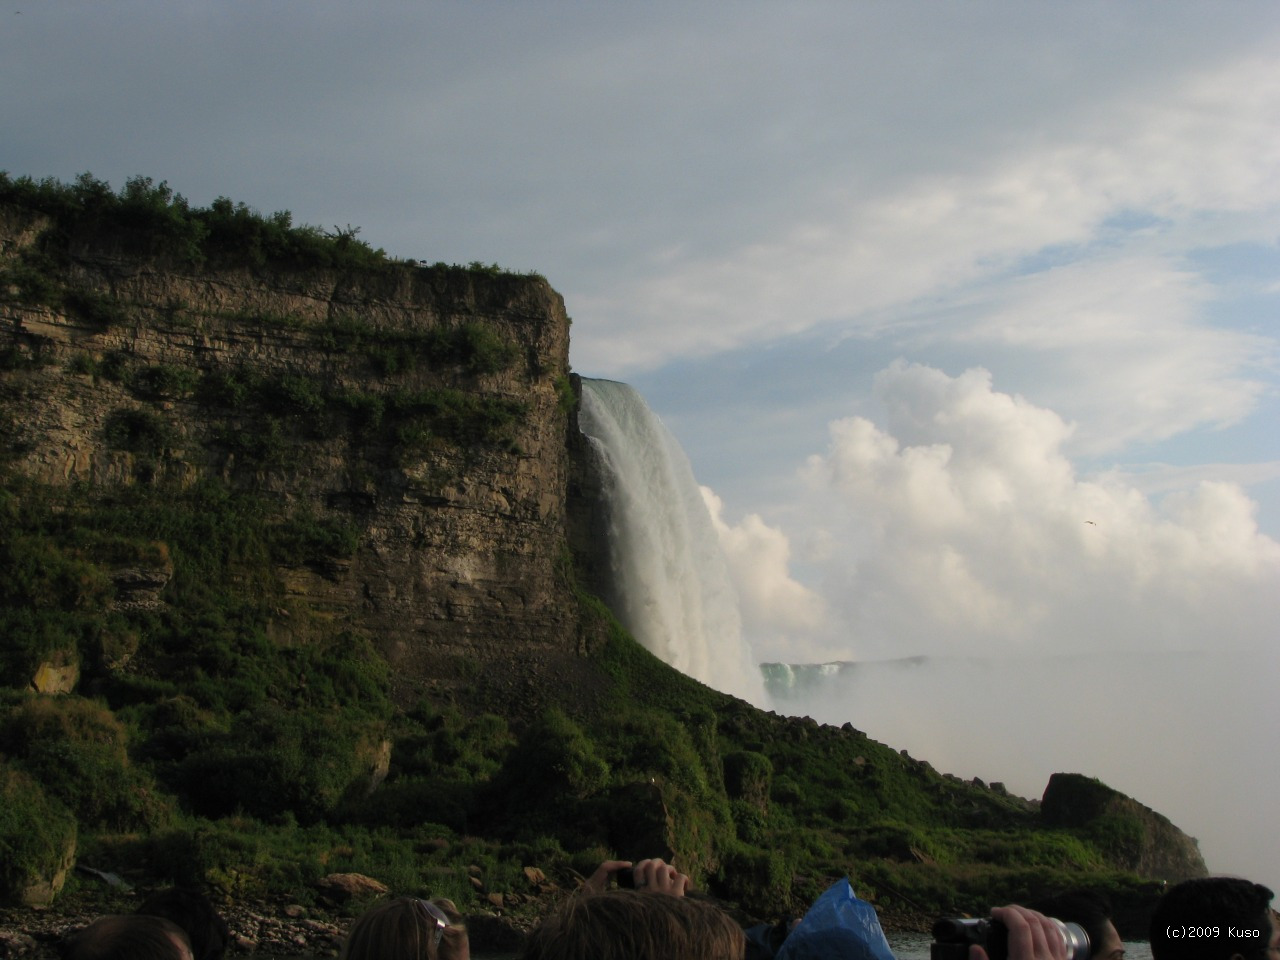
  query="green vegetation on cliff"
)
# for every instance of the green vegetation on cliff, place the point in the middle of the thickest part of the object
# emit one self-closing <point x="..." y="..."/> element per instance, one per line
<point x="229" y="716"/>
<point x="149" y="220"/>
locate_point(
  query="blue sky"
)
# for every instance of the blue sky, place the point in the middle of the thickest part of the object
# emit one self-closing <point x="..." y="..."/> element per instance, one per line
<point x="965" y="314"/>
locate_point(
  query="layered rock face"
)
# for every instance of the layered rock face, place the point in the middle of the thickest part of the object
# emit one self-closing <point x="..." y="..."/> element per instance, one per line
<point x="421" y="410"/>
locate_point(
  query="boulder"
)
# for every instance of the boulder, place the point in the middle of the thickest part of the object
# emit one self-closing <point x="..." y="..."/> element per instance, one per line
<point x="342" y="887"/>
<point x="52" y="677"/>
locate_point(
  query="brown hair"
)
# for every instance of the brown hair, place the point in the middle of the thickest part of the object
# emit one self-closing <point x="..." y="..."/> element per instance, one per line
<point x="403" y="929"/>
<point x="455" y="945"/>
<point x="196" y="915"/>
<point x="635" y="925"/>
<point x="127" y="937"/>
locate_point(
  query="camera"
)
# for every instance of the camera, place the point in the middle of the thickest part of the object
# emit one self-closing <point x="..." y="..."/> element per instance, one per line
<point x="953" y="937"/>
<point x="625" y="877"/>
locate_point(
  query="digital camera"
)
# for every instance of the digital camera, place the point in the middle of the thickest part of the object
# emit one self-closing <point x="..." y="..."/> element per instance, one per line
<point x="952" y="939"/>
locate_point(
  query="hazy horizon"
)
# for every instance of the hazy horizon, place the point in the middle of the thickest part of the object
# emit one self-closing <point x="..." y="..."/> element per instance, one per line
<point x="1017" y="721"/>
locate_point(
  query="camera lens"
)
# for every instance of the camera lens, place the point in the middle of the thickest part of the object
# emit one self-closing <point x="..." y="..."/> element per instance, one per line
<point x="1078" y="947"/>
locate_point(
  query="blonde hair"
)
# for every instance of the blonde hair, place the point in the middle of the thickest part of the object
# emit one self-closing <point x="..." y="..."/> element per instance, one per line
<point x="404" y="929"/>
<point x="635" y="925"/>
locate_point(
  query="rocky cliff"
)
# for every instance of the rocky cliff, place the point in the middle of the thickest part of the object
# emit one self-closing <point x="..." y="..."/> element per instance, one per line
<point x="1134" y="836"/>
<point x="298" y="535"/>
<point x="418" y="413"/>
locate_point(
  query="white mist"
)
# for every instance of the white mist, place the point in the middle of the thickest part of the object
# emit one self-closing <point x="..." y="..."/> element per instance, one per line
<point x="1188" y="734"/>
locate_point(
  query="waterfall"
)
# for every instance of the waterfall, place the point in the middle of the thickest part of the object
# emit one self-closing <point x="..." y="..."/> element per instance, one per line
<point x="670" y="584"/>
<point x="796" y="681"/>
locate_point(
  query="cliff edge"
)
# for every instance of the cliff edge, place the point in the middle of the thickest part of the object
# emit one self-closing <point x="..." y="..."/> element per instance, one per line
<point x="416" y="415"/>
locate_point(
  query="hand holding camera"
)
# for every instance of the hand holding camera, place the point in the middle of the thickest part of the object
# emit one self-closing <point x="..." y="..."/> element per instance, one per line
<point x="1011" y="933"/>
<point x="654" y="875"/>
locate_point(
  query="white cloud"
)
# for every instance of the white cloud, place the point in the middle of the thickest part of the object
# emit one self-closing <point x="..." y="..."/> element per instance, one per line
<point x="1158" y="478"/>
<point x="1122" y="348"/>
<point x="1195" y="145"/>
<point x="956" y="526"/>
<point x="778" y="612"/>
<point x="964" y="528"/>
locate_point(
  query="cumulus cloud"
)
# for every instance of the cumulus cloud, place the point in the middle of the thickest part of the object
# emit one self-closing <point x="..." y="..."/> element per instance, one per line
<point x="780" y="615"/>
<point x="961" y="526"/>
<point x="955" y="526"/>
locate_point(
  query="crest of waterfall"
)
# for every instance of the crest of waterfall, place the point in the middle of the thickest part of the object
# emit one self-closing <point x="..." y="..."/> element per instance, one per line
<point x="671" y="585"/>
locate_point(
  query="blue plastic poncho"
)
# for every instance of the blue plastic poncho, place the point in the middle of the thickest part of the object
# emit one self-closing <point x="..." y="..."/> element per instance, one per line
<point x="838" y="926"/>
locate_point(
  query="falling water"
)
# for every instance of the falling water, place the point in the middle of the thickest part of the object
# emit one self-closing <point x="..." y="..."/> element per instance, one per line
<point x="671" y="587"/>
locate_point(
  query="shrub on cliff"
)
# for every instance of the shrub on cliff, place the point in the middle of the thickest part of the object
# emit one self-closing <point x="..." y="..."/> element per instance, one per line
<point x="757" y="879"/>
<point x="52" y="601"/>
<point x="149" y="219"/>
<point x="481" y="349"/>
<point x="140" y="432"/>
<point x="555" y="755"/>
<point x="748" y="776"/>
<point x="541" y="785"/>
<point x="273" y="760"/>
<point x="650" y="744"/>
<point x="447" y="743"/>
<point x="36" y="835"/>
<point x="76" y="749"/>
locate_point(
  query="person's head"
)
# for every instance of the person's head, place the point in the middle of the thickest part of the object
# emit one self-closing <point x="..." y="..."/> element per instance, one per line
<point x="1092" y="912"/>
<point x="407" y="929"/>
<point x="1215" y="918"/>
<point x="635" y="925"/>
<point x="195" y="914"/>
<point x="454" y="945"/>
<point x="127" y="937"/>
